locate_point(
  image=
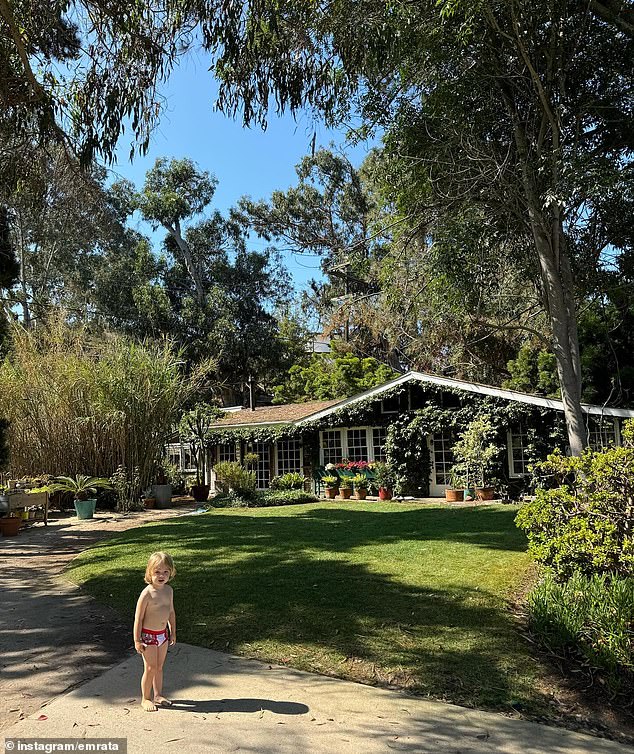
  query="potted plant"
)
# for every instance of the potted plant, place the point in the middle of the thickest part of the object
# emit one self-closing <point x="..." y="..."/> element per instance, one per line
<point x="161" y="489"/>
<point x="82" y="487"/>
<point x="195" y="428"/>
<point x="360" y="482"/>
<point x="384" y="480"/>
<point x="10" y="525"/>
<point x="455" y="492"/>
<point x="149" y="503"/>
<point x="345" y="488"/>
<point x="332" y="485"/>
<point x="476" y="453"/>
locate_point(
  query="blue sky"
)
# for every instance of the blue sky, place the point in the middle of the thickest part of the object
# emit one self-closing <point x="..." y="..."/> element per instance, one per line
<point x="245" y="161"/>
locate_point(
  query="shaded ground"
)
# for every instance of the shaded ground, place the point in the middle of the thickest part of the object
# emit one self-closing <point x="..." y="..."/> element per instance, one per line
<point x="52" y="636"/>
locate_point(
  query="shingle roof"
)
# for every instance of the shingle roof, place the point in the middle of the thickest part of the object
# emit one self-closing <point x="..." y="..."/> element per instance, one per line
<point x="289" y="412"/>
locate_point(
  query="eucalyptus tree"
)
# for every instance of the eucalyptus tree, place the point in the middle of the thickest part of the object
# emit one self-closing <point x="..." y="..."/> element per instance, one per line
<point x="520" y="108"/>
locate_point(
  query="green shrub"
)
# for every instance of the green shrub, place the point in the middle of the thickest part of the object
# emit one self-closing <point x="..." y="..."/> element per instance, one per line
<point x="283" y="497"/>
<point x="589" y="619"/>
<point x="290" y="481"/>
<point x="262" y="499"/>
<point x="585" y="523"/>
<point x="231" y="476"/>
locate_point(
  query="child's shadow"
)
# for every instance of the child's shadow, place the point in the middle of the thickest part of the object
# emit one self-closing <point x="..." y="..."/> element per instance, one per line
<point x="237" y="705"/>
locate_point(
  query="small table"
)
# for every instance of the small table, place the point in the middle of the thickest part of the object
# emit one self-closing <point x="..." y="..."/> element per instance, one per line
<point x="20" y="501"/>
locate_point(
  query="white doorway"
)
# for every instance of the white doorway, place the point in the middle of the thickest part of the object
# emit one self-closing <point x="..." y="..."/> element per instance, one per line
<point x="441" y="456"/>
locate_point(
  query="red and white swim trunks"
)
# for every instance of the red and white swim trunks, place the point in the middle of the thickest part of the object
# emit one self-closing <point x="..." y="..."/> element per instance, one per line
<point x="154" y="638"/>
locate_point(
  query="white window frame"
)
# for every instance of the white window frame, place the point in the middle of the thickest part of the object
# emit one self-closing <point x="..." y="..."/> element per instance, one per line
<point x="509" y="450"/>
<point x="605" y="420"/>
<point x="235" y="451"/>
<point x="343" y="434"/>
<point x="276" y="460"/>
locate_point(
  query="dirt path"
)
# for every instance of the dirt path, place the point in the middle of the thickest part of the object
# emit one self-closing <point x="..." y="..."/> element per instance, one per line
<point x="52" y="636"/>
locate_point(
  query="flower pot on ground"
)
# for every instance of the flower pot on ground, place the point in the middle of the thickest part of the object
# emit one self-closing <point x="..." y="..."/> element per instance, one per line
<point x="82" y="487"/>
<point x="10" y="526"/>
<point x="345" y="492"/>
<point x="149" y="503"/>
<point x="360" y="482"/>
<point x="200" y="492"/>
<point x="332" y="485"/>
<point x="384" y="479"/>
<point x="85" y="508"/>
<point x="162" y="493"/>
<point x="485" y="493"/>
<point x="454" y="495"/>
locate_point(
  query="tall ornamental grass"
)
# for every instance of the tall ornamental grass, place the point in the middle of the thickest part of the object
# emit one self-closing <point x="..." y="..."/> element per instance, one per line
<point x="81" y="404"/>
<point x="590" y="619"/>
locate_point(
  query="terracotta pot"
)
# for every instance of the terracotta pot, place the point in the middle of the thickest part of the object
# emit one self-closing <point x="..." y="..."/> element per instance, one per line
<point x="10" y="526"/>
<point x="361" y="494"/>
<point x="453" y="496"/>
<point x="345" y="493"/>
<point x="485" y="493"/>
<point x="149" y="503"/>
<point x="331" y="492"/>
<point x="385" y="493"/>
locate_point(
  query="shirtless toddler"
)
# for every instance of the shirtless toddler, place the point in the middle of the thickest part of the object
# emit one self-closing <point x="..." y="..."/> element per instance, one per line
<point x="155" y="627"/>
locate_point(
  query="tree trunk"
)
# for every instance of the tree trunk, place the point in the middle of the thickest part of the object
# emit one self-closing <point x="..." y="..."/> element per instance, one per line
<point x="557" y="291"/>
<point x="183" y="247"/>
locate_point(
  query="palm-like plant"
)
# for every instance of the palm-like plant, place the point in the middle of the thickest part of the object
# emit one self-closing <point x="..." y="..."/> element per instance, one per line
<point x="81" y="486"/>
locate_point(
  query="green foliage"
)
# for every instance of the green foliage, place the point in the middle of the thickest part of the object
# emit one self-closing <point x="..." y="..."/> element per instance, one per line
<point x="231" y="476"/>
<point x="360" y="482"/>
<point x="80" y="486"/>
<point x="588" y="618"/>
<point x="290" y="481"/>
<point x="475" y="451"/>
<point x="407" y="453"/>
<point x="331" y="481"/>
<point x="195" y="428"/>
<point x="534" y="370"/>
<point x="585" y="522"/>
<point x="127" y="486"/>
<point x="336" y="375"/>
<point x="262" y="499"/>
<point x="384" y="476"/>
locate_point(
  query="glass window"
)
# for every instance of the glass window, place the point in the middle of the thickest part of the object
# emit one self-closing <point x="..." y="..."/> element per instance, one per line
<point x="263" y="466"/>
<point x="442" y="456"/>
<point x="227" y="451"/>
<point x="188" y="463"/>
<point x="601" y="432"/>
<point x="331" y="444"/>
<point x="390" y="405"/>
<point x="379" y="435"/>
<point x="518" y="460"/>
<point x="289" y="457"/>
<point x="357" y="445"/>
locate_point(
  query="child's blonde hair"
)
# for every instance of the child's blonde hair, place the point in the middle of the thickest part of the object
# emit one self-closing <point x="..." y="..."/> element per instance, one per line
<point x="157" y="559"/>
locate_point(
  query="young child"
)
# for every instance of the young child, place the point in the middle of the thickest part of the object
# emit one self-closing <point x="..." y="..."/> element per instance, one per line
<point x="155" y="627"/>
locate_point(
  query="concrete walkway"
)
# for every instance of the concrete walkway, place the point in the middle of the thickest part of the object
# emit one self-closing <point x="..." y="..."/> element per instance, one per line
<point x="226" y="704"/>
<point x="52" y="636"/>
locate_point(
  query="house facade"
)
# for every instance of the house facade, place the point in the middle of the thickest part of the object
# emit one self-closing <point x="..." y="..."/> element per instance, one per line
<point x="411" y="421"/>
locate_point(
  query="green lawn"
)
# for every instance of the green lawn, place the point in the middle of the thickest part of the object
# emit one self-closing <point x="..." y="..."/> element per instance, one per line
<point x="391" y="593"/>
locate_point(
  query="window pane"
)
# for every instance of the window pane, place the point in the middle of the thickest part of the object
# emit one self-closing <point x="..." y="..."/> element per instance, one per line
<point x="263" y="466"/>
<point x="442" y="456"/>
<point x="331" y="439"/>
<point x="288" y="457"/>
<point x="357" y="445"/>
<point x="379" y="435"/>
<point x="227" y="452"/>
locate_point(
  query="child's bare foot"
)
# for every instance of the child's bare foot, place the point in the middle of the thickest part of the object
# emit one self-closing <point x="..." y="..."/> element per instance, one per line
<point x="148" y="705"/>
<point x="162" y="700"/>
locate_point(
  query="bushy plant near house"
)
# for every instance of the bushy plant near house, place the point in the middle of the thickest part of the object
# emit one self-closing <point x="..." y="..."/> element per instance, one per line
<point x="231" y="476"/>
<point x="589" y="618"/>
<point x="475" y="451"/>
<point x="291" y="481"/>
<point x="586" y="522"/>
<point x="262" y="499"/>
